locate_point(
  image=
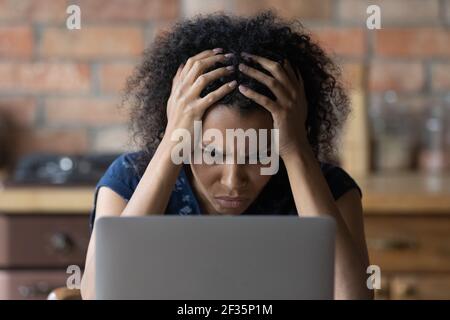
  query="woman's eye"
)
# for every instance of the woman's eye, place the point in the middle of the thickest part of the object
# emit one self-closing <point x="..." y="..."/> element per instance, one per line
<point x="211" y="152"/>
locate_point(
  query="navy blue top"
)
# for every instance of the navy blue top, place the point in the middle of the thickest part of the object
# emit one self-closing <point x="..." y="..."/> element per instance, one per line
<point x="276" y="198"/>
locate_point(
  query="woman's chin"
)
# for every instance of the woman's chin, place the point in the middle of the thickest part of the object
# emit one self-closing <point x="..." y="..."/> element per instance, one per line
<point x="234" y="211"/>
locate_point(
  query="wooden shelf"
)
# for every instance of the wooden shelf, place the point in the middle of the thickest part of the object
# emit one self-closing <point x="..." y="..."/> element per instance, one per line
<point x="57" y="200"/>
<point x="402" y="193"/>
<point x="406" y="193"/>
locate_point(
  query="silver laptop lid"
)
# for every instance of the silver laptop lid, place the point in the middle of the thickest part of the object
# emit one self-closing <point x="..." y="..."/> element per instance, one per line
<point x="214" y="257"/>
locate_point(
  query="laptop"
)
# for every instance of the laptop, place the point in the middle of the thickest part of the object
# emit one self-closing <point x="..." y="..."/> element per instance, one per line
<point x="215" y="257"/>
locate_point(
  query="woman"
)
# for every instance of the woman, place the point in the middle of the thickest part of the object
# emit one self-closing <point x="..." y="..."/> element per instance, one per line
<point x="249" y="73"/>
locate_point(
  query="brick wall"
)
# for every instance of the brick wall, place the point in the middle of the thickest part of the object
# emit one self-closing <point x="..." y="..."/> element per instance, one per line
<point x="62" y="87"/>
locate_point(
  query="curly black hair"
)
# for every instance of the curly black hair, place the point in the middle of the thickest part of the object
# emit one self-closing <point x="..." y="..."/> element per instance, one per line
<point x="264" y="34"/>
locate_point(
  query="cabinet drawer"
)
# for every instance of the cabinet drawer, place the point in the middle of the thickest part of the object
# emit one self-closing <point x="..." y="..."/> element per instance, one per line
<point x="30" y="284"/>
<point x="409" y="243"/>
<point x="420" y="287"/>
<point x="43" y="241"/>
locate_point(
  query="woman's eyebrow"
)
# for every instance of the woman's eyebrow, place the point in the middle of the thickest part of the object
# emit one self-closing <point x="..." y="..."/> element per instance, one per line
<point x="209" y="146"/>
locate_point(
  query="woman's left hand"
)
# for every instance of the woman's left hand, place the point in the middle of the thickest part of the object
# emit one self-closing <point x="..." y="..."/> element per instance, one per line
<point x="289" y="111"/>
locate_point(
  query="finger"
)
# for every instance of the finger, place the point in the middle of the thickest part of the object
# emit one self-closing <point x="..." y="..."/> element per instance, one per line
<point x="177" y="75"/>
<point x="207" y="53"/>
<point x="211" y="98"/>
<point x="260" y="99"/>
<point x="199" y="67"/>
<point x="290" y="71"/>
<point x="297" y="78"/>
<point x="203" y="80"/>
<point x="273" y="84"/>
<point x="275" y="68"/>
<point x="175" y="80"/>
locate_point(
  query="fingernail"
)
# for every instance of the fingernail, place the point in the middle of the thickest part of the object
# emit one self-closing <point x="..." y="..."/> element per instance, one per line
<point x="230" y="68"/>
<point x="232" y="83"/>
<point x="217" y="50"/>
<point x="242" y="88"/>
<point x="229" y="55"/>
<point x="241" y="67"/>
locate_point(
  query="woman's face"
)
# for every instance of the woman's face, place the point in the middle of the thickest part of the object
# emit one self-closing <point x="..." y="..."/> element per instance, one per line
<point x="230" y="188"/>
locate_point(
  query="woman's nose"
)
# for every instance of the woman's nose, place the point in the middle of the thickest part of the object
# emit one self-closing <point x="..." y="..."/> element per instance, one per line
<point x="233" y="176"/>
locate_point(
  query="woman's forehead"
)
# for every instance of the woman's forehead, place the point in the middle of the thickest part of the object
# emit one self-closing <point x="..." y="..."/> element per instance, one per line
<point x="224" y="117"/>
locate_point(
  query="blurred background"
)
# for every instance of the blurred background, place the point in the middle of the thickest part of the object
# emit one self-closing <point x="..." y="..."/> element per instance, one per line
<point x="60" y="126"/>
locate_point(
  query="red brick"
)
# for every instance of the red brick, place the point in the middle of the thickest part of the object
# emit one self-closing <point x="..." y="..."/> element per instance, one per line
<point x="42" y="77"/>
<point x="303" y="10"/>
<point x="113" y="76"/>
<point x="69" y="141"/>
<point x="413" y="42"/>
<point x="353" y="75"/>
<point x="84" y="111"/>
<point x="21" y="110"/>
<point x="441" y="76"/>
<point x="344" y="41"/>
<point x="193" y="7"/>
<point x="111" y="140"/>
<point x="393" y="12"/>
<point x="129" y="10"/>
<point x="399" y="76"/>
<point x="153" y="30"/>
<point x="33" y="10"/>
<point x="92" y="42"/>
<point x="16" y="42"/>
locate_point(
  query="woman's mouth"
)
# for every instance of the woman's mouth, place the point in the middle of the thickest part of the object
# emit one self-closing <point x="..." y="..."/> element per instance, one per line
<point x="230" y="202"/>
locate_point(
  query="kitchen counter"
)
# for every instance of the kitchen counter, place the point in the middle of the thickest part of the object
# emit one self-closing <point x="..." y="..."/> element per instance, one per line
<point x="57" y="200"/>
<point x="407" y="193"/>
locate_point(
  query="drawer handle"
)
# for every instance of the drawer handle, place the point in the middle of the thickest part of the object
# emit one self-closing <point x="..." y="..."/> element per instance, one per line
<point x="392" y="244"/>
<point x="61" y="243"/>
<point x="409" y="291"/>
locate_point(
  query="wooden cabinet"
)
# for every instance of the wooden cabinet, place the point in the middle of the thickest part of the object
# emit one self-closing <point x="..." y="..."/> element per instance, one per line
<point x="30" y="284"/>
<point x="413" y="253"/>
<point x="420" y="287"/>
<point x="42" y="240"/>
<point x="43" y="230"/>
<point x="35" y="251"/>
<point x="409" y="243"/>
<point x="407" y="225"/>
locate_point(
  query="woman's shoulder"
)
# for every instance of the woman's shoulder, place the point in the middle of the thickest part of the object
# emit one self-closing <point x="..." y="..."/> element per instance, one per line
<point x="123" y="174"/>
<point x="339" y="180"/>
<point x="126" y="163"/>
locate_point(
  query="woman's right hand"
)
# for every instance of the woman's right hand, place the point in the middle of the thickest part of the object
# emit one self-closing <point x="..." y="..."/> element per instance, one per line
<point x="185" y="105"/>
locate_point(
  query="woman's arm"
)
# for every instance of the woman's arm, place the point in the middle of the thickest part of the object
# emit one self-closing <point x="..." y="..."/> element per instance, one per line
<point x="313" y="198"/>
<point x="311" y="193"/>
<point x="150" y="197"/>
